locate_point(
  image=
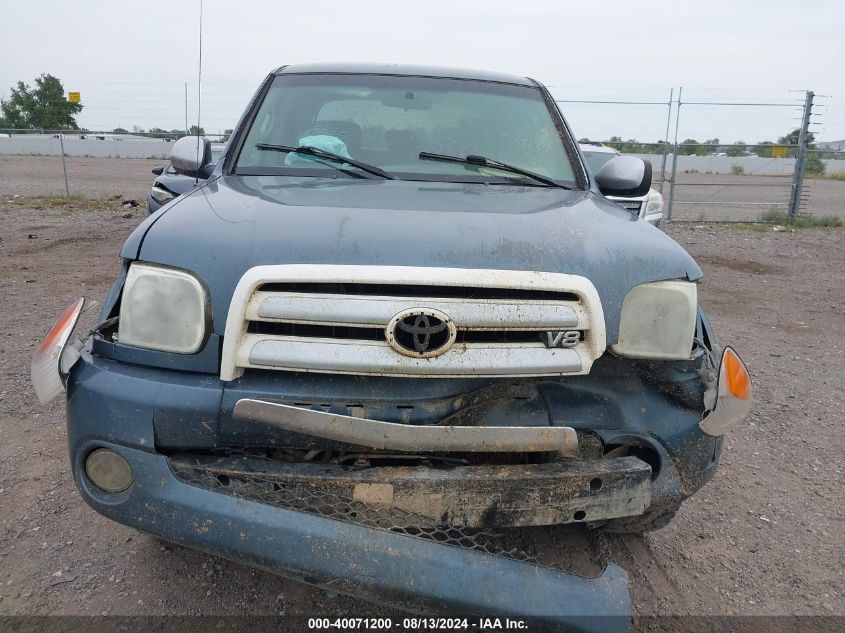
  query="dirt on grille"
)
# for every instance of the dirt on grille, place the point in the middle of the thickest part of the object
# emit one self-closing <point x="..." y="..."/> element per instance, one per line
<point x="764" y="537"/>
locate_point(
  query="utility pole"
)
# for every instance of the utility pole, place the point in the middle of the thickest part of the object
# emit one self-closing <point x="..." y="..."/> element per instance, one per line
<point x="800" y="159"/>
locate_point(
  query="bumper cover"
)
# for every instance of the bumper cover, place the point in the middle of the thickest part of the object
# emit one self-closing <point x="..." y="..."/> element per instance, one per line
<point x="353" y="559"/>
<point x="135" y="408"/>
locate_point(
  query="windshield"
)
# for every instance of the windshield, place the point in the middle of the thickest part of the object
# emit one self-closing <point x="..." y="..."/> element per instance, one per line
<point x="387" y="121"/>
<point x="597" y="159"/>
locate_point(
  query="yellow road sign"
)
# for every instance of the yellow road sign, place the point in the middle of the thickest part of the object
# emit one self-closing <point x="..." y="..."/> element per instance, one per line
<point x="74" y="97"/>
<point x="780" y="151"/>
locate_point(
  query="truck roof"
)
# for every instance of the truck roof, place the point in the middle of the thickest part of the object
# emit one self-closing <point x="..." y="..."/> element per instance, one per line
<point x="403" y="70"/>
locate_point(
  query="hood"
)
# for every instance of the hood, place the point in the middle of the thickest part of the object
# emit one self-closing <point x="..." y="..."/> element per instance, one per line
<point x="236" y="222"/>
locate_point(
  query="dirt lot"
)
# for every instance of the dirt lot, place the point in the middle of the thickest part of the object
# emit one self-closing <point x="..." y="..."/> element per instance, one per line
<point x="744" y="198"/>
<point x="764" y="537"/>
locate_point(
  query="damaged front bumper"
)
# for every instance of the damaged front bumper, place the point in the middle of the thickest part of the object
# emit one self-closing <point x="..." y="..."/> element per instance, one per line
<point x="394" y="555"/>
<point x="351" y="558"/>
<point x="360" y="532"/>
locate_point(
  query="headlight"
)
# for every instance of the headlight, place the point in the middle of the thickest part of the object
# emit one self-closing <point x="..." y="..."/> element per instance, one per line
<point x="161" y="195"/>
<point x="654" y="203"/>
<point x="163" y="309"/>
<point x="658" y="321"/>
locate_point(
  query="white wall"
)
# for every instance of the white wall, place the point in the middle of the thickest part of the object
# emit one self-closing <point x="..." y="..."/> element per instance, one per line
<point x="90" y="146"/>
<point x="723" y="164"/>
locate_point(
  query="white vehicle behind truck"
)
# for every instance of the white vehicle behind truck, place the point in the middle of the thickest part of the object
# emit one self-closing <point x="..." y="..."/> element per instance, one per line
<point x="649" y="206"/>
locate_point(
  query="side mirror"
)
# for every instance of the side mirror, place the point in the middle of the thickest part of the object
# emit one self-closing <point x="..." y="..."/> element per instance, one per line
<point x="158" y="170"/>
<point x="624" y="176"/>
<point x="191" y="156"/>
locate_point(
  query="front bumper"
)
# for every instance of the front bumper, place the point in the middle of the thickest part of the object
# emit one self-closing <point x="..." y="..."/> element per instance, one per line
<point x="349" y="558"/>
<point x="135" y="410"/>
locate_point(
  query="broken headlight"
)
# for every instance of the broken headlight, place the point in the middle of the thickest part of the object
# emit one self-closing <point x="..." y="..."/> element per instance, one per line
<point x="658" y="321"/>
<point x="163" y="309"/>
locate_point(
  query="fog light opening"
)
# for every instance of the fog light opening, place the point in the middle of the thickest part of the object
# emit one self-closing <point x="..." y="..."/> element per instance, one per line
<point x="645" y="453"/>
<point x="108" y="471"/>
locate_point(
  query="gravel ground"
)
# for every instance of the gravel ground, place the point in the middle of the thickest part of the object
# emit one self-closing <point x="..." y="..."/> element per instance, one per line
<point x="744" y="198"/>
<point x="92" y="177"/>
<point x="764" y="537"/>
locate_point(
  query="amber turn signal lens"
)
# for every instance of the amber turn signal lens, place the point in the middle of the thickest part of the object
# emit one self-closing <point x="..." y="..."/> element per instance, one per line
<point x="737" y="378"/>
<point x="60" y="328"/>
<point x="46" y="362"/>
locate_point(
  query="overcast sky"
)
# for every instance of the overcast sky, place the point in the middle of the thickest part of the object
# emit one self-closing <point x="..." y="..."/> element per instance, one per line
<point x="130" y="59"/>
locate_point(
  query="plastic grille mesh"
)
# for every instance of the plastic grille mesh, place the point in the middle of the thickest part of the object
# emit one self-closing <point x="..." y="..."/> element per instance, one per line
<point x="328" y="504"/>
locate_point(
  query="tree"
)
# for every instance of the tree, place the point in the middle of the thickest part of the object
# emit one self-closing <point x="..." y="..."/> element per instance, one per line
<point x="119" y="130"/>
<point x="42" y="107"/>
<point x="794" y="135"/>
<point x="195" y="131"/>
<point x="710" y="146"/>
<point x="814" y="164"/>
<point x="689" y="147"/>
<point x="227" y="133"/>
<point x="764" y="149"/>
<point x="737" y="149"/>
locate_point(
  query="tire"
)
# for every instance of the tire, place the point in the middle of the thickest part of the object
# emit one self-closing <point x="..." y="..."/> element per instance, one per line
<point x="651" y="519"/>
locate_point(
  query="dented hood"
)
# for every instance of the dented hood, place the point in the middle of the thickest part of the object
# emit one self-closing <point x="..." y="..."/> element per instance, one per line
<point x="236" y="222"/>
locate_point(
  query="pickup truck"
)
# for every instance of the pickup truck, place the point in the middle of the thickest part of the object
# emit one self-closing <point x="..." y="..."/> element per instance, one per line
<point x="398" y="320"/>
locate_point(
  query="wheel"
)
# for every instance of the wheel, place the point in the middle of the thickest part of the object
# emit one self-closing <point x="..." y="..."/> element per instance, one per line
<point x="651" y="519"/>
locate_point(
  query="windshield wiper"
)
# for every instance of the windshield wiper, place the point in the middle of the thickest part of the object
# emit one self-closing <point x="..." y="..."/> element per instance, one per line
<point x="321" y="153"/>
<point x="481" y="161"/>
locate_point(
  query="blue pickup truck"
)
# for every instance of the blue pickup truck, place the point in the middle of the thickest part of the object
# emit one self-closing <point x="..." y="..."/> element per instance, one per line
<point x="397" y="318"/>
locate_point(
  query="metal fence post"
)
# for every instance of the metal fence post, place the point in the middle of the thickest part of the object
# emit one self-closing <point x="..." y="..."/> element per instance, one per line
<point x="666" y="143"/>
<point x="800" y="159"/>
<point x="674" y="159"/>
<point x="64" y="164"/>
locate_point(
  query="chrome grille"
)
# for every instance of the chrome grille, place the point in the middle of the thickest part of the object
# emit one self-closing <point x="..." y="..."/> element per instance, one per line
<point x="333" y="319"/>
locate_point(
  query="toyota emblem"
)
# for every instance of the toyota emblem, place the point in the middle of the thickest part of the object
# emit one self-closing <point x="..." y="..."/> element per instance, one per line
<point x="421" y="333"/>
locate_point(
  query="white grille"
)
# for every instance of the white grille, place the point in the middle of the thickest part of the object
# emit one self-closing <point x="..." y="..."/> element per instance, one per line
<point x="342" y="331"/>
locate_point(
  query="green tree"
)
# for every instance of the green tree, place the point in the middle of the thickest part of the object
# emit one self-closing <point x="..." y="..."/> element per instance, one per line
<point x="710" y="146"/>
<point x="794" y="135"/>
<point x="119" y="130"/>
<point x="227" y="133"/>
<point x="689" y="147"/>
<point x="814" y="164"/>
<point x="41" y="107"/>
<point x="764" y="149"/>
<point x="196" y="131"/>
<point x="737" y="149"/>
<point x="157" y="132"/>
